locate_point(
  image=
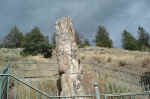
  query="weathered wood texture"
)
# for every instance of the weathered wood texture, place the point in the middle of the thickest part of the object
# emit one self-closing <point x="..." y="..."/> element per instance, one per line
<point x="66" y="51"/>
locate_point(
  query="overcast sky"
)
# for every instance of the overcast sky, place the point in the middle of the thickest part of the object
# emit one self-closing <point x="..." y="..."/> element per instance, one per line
<point x="115" y="15"/>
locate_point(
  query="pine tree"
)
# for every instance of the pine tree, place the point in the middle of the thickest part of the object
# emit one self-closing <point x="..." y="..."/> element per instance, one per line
<point x="14" y="38"/>
<point x="143" y="39"/>
<point x="54" y="41"/>
<point x="36" y="43"/>
<point x="85" y="43"/>
<point x="78" y="39"/>
<point x="128" y="41"/>
<point x="102" y="38"/>
<point x="1" y="46"/>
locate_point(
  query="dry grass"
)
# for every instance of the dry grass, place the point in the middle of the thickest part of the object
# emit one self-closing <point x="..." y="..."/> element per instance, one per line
<point x="107" y="60"/>
<point x="109" y="67"/>
<point x="122" y="63"/>
<point x="146" y="62"/>
<point x="48" y="87"/>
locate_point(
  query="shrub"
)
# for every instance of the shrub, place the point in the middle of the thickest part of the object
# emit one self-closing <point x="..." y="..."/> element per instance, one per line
<point x="122" y="63"/>
<point x="83" y="57"/>
<point x="109" y="59"/>
<point x="145" y="62"/>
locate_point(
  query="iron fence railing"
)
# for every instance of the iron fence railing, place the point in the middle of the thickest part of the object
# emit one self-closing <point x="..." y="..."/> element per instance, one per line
<point x="33" y="93"/>
<point x="25" y="90"/>
<point x="140" y="95"/>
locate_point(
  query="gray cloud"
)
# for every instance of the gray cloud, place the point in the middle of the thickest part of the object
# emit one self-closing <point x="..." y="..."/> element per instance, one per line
<point x="116" y="15"/>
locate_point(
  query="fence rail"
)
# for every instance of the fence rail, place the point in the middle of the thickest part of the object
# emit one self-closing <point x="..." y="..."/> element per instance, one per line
<point x="35" y="93"/>
<point x="24" y="84"/>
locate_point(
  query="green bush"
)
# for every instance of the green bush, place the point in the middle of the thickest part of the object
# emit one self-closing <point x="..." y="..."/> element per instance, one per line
<point x="122" y="63"/>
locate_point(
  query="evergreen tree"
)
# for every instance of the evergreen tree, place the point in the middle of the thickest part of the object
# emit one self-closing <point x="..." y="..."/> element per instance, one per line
<point x="128" y="41"/>
<point x="85" y="43"/>
<point x="78" y="38"/>
<point x="143" y="39"/>
<point x="54" y="41"/>
<point x="1" y="46"/>
<point x="36" y="43"/>
<point x="102" y="38"/>
<point x="14" y="38"/>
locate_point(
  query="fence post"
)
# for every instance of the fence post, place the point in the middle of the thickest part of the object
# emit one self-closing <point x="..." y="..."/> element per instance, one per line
<point x="23" y="87"/>
<point x="97" y="93"/>
<point x="8" y="79"/>
<point x="15" y="89"/>
<point x="30" y="91"/>
<point x="37" y="95"/>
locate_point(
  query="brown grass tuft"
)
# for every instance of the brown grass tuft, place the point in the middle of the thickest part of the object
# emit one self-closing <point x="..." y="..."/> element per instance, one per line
<point x="122" y="63"/>
<point x="145" y="62"/>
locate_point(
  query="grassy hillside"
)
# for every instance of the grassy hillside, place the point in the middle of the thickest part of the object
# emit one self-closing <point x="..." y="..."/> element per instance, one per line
<point x="115" y="70"/>
<point x="7" y="54"/>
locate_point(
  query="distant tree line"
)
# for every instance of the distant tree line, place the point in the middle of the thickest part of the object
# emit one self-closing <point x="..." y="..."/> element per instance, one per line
<point x="129" y="42"/>
<point x="34" y="42"/>
<point x="141" y="43"/>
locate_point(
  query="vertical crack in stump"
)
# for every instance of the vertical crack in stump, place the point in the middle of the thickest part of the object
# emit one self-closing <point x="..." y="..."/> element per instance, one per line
<point x="69" y="82"/>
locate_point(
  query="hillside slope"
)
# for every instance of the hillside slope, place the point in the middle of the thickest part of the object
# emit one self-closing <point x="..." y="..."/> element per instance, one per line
<point x="116" y="70"/>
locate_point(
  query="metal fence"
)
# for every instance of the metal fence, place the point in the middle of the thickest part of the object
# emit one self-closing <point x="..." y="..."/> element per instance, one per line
<point x="4" y="80"/>
<point x="134" y="95"/>
<point x="13" y="87"/>
<point x="33" y="93"/>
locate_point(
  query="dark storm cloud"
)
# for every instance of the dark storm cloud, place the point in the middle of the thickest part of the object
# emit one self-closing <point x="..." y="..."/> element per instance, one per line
<point x="116" y="15"/>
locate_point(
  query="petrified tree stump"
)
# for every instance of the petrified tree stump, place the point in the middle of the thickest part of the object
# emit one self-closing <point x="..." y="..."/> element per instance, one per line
<point x="69" y="67"/>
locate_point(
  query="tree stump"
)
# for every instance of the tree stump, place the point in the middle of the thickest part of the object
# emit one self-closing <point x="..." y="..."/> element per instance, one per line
<point x="69" y="65"/>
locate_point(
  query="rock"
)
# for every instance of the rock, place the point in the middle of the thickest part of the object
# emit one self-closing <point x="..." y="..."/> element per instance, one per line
<point x="66" y="51"/>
